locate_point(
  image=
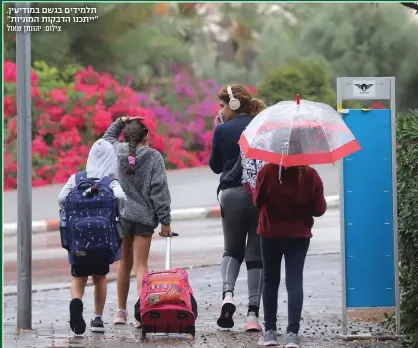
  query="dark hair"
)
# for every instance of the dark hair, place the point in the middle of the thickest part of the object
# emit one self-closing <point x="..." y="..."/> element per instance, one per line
<point x="248" y="104"/>
<point x="295" y="147"/>
<point x="135" y="133"/>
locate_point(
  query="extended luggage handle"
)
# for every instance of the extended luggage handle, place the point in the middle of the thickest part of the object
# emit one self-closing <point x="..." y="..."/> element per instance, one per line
<point x="168" y="250"/>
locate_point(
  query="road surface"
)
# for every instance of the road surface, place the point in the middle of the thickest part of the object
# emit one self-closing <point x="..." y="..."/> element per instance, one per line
<point x="320" y="324"/>
<point x="200" y="243"/>
<point x="189" y="188"/>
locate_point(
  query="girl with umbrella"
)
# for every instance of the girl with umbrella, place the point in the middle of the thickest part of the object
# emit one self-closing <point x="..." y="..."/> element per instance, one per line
<point x="289" y="194"/>
<point x="287" y="199"/>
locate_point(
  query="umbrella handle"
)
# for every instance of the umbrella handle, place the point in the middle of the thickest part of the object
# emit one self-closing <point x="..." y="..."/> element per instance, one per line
<point x="297" y="99"/>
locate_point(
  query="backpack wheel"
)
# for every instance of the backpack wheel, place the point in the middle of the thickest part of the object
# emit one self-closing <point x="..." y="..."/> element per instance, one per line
<point x="194" y="307"/>
<point x="192" y="331"/>
<point x="145" y="330"/>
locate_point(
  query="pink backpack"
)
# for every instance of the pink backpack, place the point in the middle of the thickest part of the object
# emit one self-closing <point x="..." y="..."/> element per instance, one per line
<point x="167" y="304"/>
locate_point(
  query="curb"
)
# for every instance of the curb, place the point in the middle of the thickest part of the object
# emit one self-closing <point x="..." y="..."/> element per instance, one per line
<point x="42" y="226"/>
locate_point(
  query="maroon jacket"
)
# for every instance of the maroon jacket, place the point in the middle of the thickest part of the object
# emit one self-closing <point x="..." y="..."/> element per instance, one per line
<point x="287" y="209"/>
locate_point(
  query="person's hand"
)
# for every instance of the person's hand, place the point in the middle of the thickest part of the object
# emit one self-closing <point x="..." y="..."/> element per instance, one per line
<point x="126" y="119"/>
<point x="165" y="231"/>
<point x="219" y="118"/>
<point x="136" y="118"/>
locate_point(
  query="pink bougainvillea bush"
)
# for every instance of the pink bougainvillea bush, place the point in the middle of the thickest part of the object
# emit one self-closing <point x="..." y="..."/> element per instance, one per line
<point x="67" y="120"/>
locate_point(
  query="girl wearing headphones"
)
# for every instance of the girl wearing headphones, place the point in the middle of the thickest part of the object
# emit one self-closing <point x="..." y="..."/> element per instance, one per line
<point x="239" y="216"/>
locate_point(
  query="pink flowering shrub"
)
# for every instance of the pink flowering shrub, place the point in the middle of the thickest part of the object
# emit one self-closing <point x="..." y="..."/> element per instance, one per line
<point x="66" y="121"/>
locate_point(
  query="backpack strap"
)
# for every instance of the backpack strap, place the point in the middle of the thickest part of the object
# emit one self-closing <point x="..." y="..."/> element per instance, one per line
<point x="80" y="176"/>
<point x="106" y="180"/>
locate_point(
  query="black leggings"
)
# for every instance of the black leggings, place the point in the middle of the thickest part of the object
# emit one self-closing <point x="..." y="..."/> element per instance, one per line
<point x="294" y="252"/>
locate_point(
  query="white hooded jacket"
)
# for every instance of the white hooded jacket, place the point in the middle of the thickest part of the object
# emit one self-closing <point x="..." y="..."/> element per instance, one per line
<point x="100" y="163"/>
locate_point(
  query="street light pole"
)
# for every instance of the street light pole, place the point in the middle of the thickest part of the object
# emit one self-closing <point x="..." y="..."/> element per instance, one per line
<point x="24" y="170"/>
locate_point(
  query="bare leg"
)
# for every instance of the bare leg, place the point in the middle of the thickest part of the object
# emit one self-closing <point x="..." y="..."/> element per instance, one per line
<point x="78" y="285"/>
<point x="124" y="271"/>
<point x="142" y="246"/>
<point x="100" y="293"/>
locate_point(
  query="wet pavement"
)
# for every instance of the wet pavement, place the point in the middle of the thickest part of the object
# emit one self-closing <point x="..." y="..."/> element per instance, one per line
<point x="320" y="327"/>
<point x="203" y="235"/>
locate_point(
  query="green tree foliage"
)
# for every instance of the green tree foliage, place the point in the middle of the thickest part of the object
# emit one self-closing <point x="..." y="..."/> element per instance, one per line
<point x="142" y="41"/>
<point x="274" y="53"/>
<point x="407" y="164"/>
<point x="50" y="78"/>
<point x="127" y="39"/>
<point x="309" y="78"/>
<point x="365" y="40"/>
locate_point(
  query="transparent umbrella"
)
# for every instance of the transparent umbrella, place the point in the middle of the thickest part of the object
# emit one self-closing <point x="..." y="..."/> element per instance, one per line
<point x="301" y="132"/>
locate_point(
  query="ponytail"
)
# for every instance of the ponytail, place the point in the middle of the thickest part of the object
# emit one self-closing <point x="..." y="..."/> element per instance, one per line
<point x="131" y="158"/>
<point x="301" y="170"/>
<point x="135" y="133"/>
<point x="256" y="107"/>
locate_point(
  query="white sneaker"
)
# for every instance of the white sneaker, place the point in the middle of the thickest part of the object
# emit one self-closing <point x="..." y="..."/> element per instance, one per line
<point x="228" y="309"/>
<point x="252" y="324"/>
<point x="121" y="317"/>
<point x="268" y="339"/>
<point x="292" y="340"/>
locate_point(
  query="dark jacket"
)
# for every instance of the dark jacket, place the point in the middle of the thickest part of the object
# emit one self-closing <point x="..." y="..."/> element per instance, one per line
<point x="287" y="208"/>
<point x="225" y="148"/>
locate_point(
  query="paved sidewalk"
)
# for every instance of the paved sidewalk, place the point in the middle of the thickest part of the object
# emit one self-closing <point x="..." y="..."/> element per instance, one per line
<point x="320" y="327"/>
<point x="204" y="235"/>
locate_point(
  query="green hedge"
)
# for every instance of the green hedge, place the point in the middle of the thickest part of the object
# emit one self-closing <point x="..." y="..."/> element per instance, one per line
<point x="407" y="163"/>
<point x="308" y="77"/>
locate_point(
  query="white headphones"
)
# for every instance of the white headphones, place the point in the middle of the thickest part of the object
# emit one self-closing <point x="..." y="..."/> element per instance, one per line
<point x="234" y="104"/>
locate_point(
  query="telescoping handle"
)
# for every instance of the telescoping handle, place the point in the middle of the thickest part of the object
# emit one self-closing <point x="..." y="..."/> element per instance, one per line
<point x="168" y="251"/>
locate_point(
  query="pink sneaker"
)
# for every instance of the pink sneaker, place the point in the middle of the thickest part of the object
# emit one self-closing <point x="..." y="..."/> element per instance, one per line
<point x="121" y="316"/>
<point x="252" y="324"/>
<point x="137" y="324"/>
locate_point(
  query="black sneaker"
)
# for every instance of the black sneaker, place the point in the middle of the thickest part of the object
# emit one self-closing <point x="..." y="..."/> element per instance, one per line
<point x="77" y="323"/>
<point x="96" y="325"/>
<point x="228" y="309"/>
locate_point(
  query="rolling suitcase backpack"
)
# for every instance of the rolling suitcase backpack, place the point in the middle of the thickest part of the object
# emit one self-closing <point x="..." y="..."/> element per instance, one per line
<point x="167" y="304"/>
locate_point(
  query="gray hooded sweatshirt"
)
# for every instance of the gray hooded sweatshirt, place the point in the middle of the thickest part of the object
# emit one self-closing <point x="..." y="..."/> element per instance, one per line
<point x="148" y="199"/>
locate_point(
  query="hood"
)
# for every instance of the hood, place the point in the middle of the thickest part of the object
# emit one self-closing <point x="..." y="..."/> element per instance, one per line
<point x="102" y="160"/>
<point x="143" y="154"/>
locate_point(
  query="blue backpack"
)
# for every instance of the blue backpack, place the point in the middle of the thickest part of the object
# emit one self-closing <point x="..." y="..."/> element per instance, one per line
<point x="92" y="227"/>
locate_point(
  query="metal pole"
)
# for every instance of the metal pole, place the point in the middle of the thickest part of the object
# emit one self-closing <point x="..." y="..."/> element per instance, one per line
<point x="342" y="224"/>
<point x="24" y="171"/>
<point x="395" y="205"/>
